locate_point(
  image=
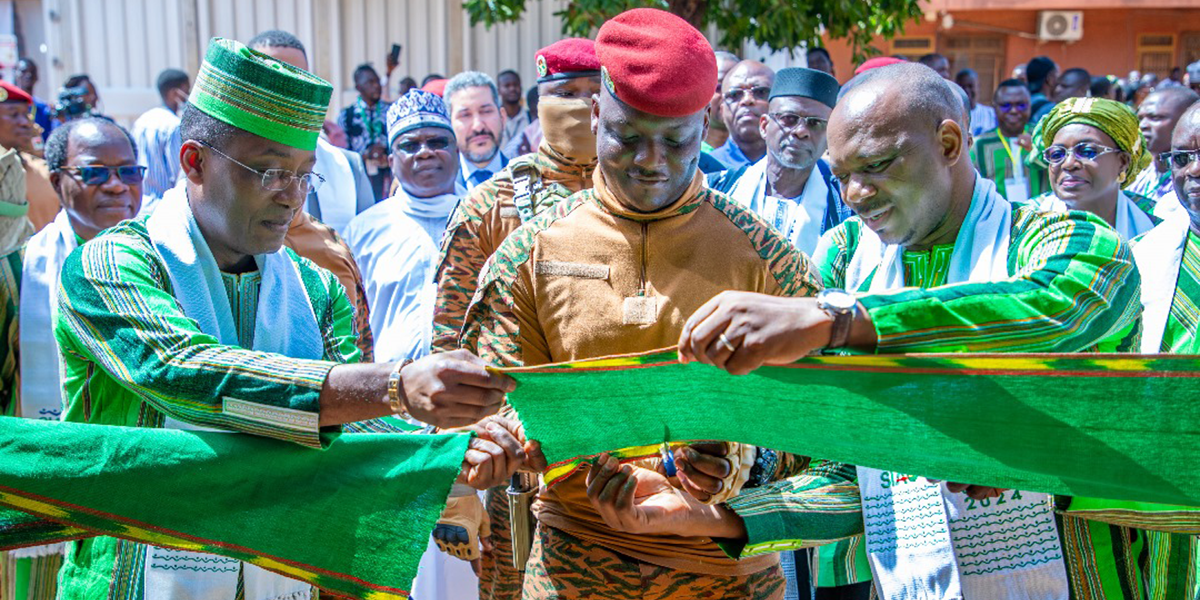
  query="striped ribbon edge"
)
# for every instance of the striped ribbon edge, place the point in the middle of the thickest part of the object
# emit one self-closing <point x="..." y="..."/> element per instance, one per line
<point x="562" y="469"/>
<point x="985" y="364"/>
<point x="137" y="531"/>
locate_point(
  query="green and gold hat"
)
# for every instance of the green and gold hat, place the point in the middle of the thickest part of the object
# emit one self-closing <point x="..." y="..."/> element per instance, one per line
<point x="252" y="91"/>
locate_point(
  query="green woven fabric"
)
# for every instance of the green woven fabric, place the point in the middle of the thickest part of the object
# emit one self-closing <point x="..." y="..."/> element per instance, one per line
<point x="353" y="519"/>
<point x="1102" y="426"/>
<point x="254" y="92"/>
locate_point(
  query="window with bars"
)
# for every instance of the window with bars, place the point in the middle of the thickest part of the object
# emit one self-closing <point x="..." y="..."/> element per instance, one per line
<point x="1156" y="53"/>
<point x="911" y="47"/>
<point x="983" y="53"/>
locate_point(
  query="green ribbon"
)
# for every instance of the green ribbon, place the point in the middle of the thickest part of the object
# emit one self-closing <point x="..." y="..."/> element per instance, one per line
<point x="353" y="518"/>
<point x="1110" y="426"/>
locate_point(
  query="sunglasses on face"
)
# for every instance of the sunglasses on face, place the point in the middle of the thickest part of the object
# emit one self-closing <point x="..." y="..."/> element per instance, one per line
<point x="129" y="175"/>
<point x="414" y="146"/>
<point x="788" y="122"/>
<point x="1017" y="106"/>
<point x="1180" y="159"/>
<point x="760" y="93"/>
<point x="1089" y="152"/>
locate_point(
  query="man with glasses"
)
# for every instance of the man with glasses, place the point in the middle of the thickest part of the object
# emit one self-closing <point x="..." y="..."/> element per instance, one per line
<point x="93" y="167"/>
<point x="196" y="317"/>
<point x="1000" y="153"/>
<point x="1094" y="148"/>
<point x="744" y="95"/>
<point x="395" y="242"/>
<point x="792" y="188"/>
<point x="934" y="261"/>
<point x="1156" y="542"/>
<point x="1158" y="115"/>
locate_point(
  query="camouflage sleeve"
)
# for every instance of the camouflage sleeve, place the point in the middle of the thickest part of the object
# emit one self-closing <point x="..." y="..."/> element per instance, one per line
<point x="458" y="270"/>
<point x="501" y="323"/>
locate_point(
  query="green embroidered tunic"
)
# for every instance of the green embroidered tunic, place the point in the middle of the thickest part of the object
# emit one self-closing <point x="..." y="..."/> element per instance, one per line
<point x="1073" y="288"/>
<point x="131" y="357"/>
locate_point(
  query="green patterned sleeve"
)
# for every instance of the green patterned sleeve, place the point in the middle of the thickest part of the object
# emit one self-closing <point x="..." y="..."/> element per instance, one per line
<point x="1074" y="286"/>
<point x="117" y="313"/>
<point x="819" y="506"/>
<point x="833" y="252"/>
<point x="1139" y="515"/>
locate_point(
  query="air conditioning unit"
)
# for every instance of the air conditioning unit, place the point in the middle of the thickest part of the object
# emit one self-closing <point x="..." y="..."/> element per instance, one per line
<point x="1060" y="25"/>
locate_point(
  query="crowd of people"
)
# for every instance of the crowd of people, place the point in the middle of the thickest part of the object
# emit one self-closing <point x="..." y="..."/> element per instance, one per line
<point x="238" y="262"/>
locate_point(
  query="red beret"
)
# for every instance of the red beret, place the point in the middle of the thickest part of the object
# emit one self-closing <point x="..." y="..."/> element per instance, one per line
<point x="567" y="58"/>
<point x="656" y="62"/>
<point x="12" y="93"/>
<point x="437" y="86"/>
<point x="875" y="63"/>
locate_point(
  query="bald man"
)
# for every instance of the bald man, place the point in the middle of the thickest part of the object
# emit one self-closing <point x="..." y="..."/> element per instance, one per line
<point x="745" y="93"/>
<point x="1166" y="257"/>
<point x="933" y="261"/>
<point x="1157" y="116"/>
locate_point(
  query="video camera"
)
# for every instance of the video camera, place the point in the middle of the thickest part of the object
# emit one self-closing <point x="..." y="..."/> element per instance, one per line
<point x="71" y="104"/>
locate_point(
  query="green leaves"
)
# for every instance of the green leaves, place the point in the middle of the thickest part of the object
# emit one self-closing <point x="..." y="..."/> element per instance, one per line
<point x="777" y="24"/>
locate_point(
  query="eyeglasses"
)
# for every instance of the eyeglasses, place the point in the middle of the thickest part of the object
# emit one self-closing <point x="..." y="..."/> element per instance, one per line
<point x="788" y="122"/>
<point x="1180" y="159"/>
<point x="414" y="146"/>
<point x="277" y="180"/>
<point x="96" y="175"/>
<point x="1090" y="152"/>
<point x="1017" y="106"/>
<point x="736" y="95"/>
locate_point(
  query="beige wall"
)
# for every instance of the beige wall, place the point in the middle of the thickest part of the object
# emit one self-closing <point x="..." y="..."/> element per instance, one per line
<point x="124" y="44"/>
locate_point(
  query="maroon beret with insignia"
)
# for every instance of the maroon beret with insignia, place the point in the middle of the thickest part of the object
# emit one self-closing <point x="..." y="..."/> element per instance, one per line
<point x="656" y="62"/>
<point x="12" y="93"/>
<point x="567" y="58"/>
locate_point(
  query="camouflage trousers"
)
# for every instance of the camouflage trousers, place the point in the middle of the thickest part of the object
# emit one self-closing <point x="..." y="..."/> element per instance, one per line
<point x="563" y="567"/>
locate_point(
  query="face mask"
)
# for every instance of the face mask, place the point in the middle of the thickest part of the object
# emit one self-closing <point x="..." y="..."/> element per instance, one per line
<point x="567" y="127"/>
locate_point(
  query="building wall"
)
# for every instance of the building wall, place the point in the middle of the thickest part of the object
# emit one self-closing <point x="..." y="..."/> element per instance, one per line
<point x="124" y="44"/>
<point x="1109" y="44"/>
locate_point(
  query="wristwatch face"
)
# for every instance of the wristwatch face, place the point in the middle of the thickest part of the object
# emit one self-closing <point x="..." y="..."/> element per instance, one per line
<point x="837" y="300"/>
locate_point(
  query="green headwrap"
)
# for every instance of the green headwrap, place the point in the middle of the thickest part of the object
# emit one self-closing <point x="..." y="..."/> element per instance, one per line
<point x="1113" y="118"/>
<point x="254" y="92"/>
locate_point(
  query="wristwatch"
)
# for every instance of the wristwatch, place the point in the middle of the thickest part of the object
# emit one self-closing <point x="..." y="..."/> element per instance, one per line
<point x="393" y="390"/>
<point x="840" y="305"/>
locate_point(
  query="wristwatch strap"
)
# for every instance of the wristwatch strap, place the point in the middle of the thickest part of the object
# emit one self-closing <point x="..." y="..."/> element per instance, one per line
<point x="841" y="328"/>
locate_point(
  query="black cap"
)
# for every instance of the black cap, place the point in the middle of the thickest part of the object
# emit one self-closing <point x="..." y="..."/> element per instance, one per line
<point x="806" y="83"/>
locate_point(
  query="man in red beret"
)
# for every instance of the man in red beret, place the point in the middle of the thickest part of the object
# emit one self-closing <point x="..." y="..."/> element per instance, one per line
<point x="17" y="130"/>
<point x="612" y="270"/>
<point x="568" y="78"/>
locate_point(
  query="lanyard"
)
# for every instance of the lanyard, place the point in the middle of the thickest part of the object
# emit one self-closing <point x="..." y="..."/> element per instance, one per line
<point x="371" y="120"/>
<point x="1016" y="165"/>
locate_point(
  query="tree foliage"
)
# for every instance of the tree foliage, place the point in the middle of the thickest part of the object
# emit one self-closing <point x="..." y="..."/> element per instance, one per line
<point x="777" y="24"/>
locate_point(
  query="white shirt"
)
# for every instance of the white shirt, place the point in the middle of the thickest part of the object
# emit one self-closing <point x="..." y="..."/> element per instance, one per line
<point x="397" y="258"/>
<point x="156" y="134"/>
<point x="799" y="219"/>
